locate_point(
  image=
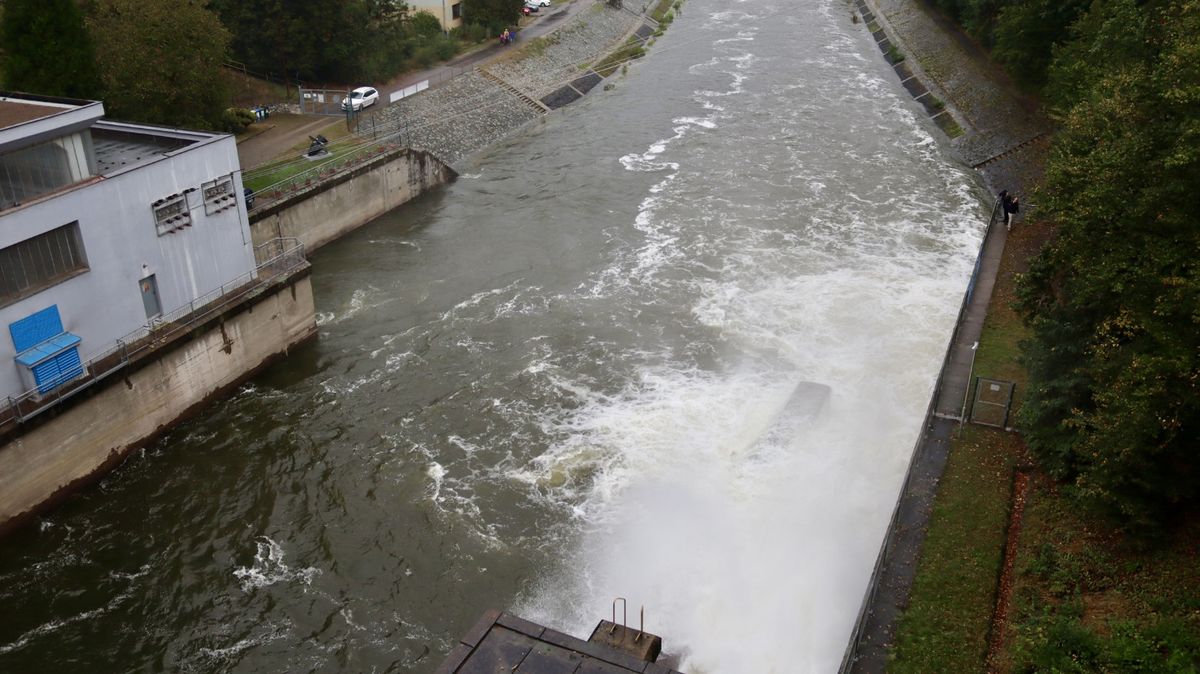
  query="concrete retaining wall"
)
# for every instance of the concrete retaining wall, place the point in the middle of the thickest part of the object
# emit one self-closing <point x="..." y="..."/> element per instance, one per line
<point x="59" y="451"/>
<point x="344" y="203"/>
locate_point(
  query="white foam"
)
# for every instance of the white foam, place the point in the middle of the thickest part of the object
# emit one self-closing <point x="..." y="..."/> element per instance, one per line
<point x="269" y="568"/>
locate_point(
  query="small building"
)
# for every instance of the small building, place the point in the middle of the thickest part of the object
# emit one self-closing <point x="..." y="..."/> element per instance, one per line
<point x="105" y="227"/>
<point x="448" y="12"/>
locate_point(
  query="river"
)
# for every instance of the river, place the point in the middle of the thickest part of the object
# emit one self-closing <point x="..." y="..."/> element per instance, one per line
<point x="672" y="343"/>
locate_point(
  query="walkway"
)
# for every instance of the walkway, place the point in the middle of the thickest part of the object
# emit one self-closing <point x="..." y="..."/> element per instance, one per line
<point x="1005" y="138"/>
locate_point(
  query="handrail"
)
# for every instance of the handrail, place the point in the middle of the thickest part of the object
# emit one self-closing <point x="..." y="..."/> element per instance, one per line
<point x="275" y="259"/>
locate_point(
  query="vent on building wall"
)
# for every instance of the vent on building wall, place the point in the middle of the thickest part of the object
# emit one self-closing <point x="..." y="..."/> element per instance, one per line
<point x="219" y="195"/>
<point x="171" y="214"/>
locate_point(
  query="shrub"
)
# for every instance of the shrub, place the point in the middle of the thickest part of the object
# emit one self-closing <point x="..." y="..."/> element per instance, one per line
<point x="235" y="120"/>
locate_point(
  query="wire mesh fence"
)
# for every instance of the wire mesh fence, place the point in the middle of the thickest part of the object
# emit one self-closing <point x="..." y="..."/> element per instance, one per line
<point x="275" y="259"/>
<point x="993" y="402"/>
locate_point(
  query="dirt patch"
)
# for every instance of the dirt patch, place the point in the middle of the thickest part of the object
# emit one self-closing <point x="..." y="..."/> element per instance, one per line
<point x="1004" y="590"/>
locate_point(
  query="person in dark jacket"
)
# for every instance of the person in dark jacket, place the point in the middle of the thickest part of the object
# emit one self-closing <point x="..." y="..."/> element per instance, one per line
<point x="1010" y="206"/>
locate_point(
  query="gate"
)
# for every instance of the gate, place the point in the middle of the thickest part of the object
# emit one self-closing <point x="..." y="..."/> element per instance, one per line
<point x="322" y="101"/>
<point x="993" y="401"/>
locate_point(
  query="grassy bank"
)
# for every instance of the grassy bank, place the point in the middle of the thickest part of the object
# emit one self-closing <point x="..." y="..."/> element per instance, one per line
<point x="1084" y="597"/>
<point x="946" y="627"/>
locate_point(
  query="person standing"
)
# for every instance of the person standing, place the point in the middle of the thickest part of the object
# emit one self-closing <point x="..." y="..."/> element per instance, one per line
<point x="1010" y="206"/>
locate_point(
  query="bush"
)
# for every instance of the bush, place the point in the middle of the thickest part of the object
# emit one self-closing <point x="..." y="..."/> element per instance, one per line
<point x="424" y="24"/>
<point x="235" y="120"/>
<point x="445" y="48"/>
<point x="471" y="32"/>
<point x="425" y="55"/>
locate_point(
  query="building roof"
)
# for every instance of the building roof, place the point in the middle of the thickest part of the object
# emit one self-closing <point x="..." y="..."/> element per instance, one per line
<point x="28" y="119"/>
<point x="13" y="112"/>
<point x="117" y="148"/>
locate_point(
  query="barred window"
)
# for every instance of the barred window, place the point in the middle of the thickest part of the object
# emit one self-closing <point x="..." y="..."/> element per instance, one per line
<point x="38" y="263"/>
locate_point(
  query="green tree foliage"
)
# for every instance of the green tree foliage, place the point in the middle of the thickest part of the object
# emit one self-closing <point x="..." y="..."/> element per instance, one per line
<point x="1025" y="34"/>
<point x="1114" y="300"/>
<point x="494" y="14"/>
<point x="47" y="49"/>
<point x="336" y="42"/>
<point x="161" y="62"/>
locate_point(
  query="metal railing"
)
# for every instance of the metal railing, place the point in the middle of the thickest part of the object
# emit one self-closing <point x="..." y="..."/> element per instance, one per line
<point x="339" y="160"/>
<point x="885" y="547"/>
<point x="275" y="259"/>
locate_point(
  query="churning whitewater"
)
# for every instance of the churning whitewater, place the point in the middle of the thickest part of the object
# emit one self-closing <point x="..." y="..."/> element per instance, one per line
<point x="673" y="344"/>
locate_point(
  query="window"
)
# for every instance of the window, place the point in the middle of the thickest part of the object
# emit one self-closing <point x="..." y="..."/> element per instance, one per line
<point x="38" y="263"/>
<point x="31" y="172"/>
<point x="456" y="10"/>
<point x="171" y="213"/>
<point x="43" y="168"/>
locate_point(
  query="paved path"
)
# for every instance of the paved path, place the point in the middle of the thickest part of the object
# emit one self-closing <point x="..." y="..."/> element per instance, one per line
<point x="285" y="131"/>
<point x="1005" y="137"/>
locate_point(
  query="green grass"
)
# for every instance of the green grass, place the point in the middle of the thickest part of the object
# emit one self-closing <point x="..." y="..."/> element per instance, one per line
<point x="1085" y="598"/>
<point x="945" y="628"/>
<point x="660" y="10"/>
<point x="289" y="164"/>
<point x="632" y="49"/>
<point x="946" y="625"/>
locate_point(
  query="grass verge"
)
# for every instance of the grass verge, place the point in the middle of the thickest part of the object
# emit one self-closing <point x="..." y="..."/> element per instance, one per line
<point x="632" y="49"/>
<point x="290" y="163"/>
<point x="660" y="10"/>
<point x="945" y="628"/>
<point x="1084" y="597"/>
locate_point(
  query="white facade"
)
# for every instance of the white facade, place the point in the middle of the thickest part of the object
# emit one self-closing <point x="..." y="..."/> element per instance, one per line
<point x="138" y="196"/>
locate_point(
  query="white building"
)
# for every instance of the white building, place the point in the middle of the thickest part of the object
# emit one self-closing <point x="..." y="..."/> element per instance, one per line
<point x="105" y="226"/>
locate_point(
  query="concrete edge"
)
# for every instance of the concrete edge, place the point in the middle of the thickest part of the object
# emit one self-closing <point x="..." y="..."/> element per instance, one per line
<point x="115" y="457"/>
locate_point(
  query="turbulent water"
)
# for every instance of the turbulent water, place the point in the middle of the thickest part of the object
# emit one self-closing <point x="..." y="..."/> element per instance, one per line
<point x="673" y="343"/>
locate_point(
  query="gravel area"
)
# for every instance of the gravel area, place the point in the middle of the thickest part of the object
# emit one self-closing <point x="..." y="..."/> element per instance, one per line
<point x="461" y="117"/>
<point x="562" y="56"/>
<point x="997" y="116"/>
<point x="472" y="111"/>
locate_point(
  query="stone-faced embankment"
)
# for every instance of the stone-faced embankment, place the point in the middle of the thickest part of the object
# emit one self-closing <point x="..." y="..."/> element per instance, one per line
<point x="474" y="110"/>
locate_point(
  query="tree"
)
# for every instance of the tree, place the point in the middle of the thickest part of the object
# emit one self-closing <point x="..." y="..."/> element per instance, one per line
<point x="495" y="14"/>
<point x="161" y="62"/>
<point x="1026" y="32"/>
<point x="47" y="49"/>
<point x="1113" y="303"/>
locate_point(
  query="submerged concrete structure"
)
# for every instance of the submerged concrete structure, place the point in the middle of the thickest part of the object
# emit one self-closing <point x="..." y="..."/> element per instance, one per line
<point x="502" y="642"/>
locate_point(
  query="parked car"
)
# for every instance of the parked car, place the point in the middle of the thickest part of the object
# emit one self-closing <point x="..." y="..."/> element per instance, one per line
<point x="360" y="98"/>
<point x="539" y="3"/>
<point x="531" y="7"/>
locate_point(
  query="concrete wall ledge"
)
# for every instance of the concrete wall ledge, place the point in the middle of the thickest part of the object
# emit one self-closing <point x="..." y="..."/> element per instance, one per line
<point x="55" y="453"/>
<point x="329" y="209"/>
